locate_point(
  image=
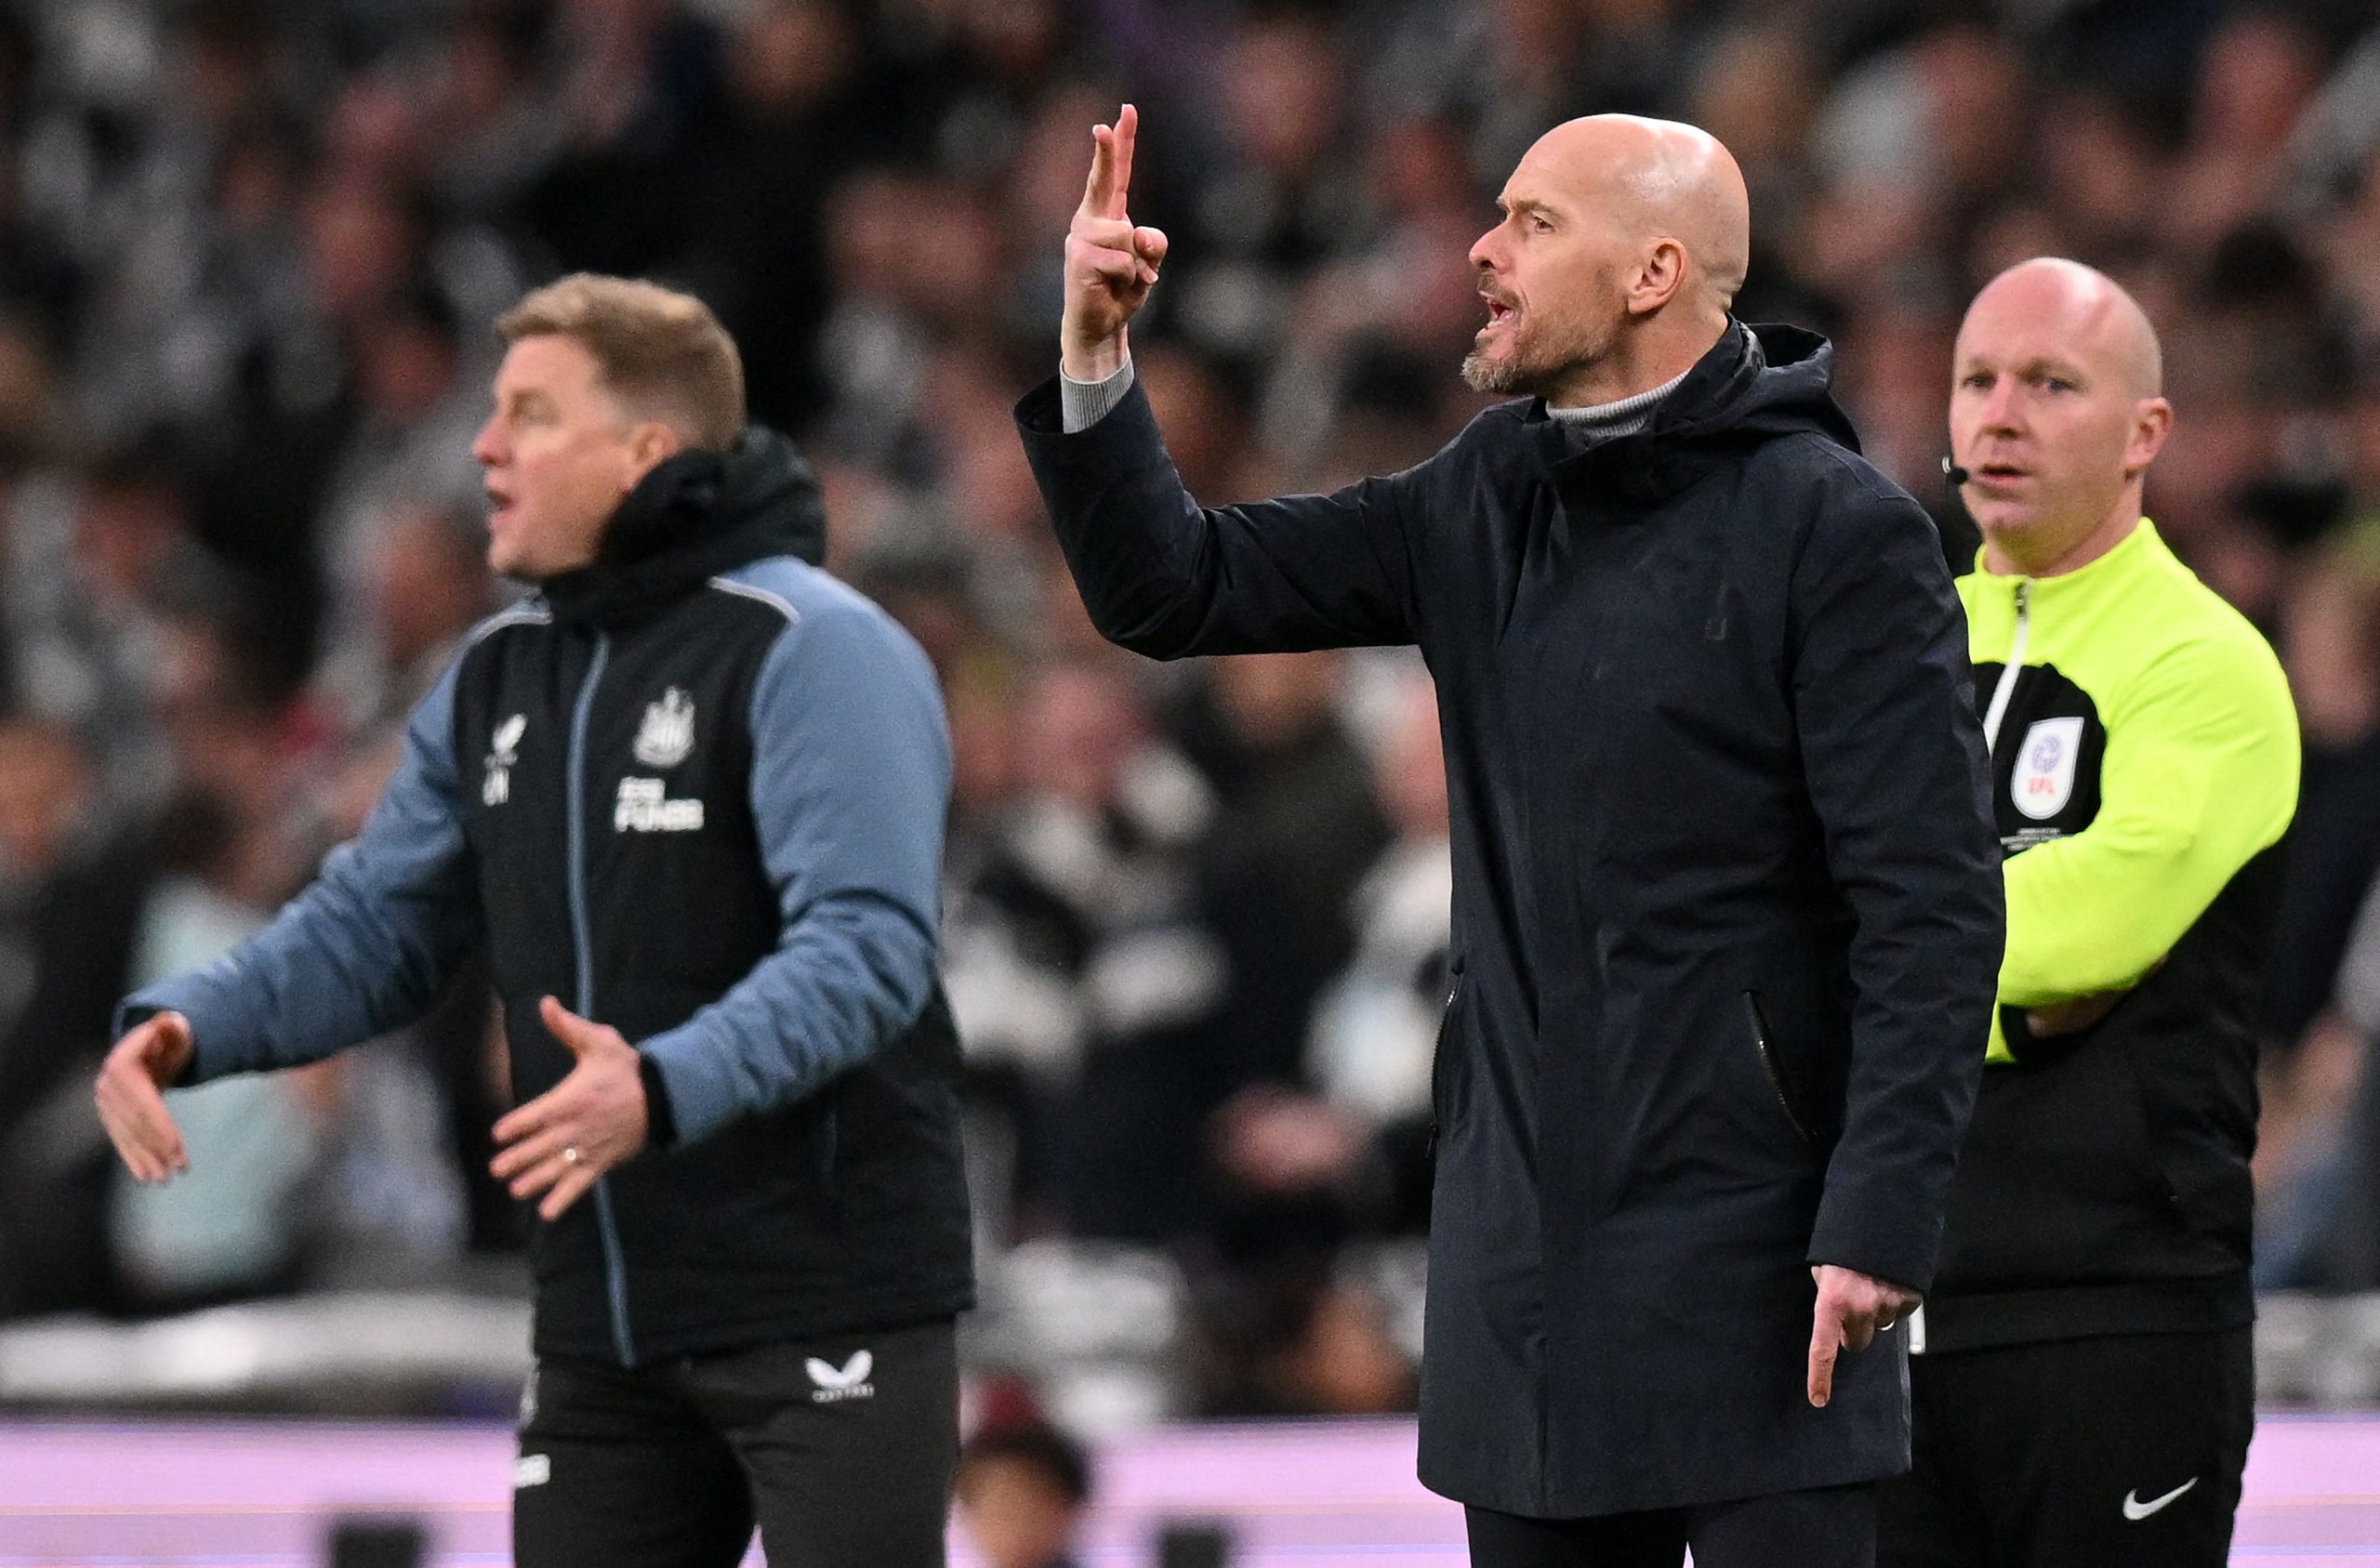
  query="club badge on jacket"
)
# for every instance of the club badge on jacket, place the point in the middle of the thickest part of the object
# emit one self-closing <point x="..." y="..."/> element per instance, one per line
<point x="503" y="753"/>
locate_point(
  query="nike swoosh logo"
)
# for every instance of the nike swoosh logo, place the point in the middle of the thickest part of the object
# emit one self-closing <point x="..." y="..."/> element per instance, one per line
<point x="2136" y="1510"/>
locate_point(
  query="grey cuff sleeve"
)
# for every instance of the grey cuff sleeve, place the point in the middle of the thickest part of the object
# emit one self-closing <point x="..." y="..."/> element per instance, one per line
<point x="1082" y="404"/>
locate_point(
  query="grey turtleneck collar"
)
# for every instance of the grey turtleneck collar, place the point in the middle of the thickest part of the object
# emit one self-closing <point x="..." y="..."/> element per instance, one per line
<point x="1599" y="422"/>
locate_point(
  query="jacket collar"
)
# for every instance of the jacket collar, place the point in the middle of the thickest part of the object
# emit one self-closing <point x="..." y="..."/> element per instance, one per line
<point x="1756" y="382"/>
<point x="2140" y="547"/>
<point x="696" y="515"/>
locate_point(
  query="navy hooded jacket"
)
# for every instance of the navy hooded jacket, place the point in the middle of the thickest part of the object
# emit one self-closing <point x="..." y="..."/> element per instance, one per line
<point x="1727" y="908"/>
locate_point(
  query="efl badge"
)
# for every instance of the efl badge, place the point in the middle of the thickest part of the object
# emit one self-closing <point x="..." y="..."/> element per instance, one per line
<point x="2044" y="782"/>
<point x="668" y="733"/>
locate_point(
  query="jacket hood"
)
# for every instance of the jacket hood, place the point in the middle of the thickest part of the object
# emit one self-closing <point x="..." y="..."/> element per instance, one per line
<point x="696" y="515"/>
<point x="1756" y="383"/>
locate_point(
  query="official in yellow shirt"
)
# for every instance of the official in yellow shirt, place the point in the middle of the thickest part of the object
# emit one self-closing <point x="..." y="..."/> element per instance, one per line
<point x="2081" y="1380"/>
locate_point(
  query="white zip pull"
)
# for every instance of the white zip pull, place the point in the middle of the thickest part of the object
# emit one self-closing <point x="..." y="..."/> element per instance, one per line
<point x="2007" y="687"/>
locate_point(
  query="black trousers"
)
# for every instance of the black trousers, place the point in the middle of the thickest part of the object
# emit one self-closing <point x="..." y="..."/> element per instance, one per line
<point x="1833" y="1527"/>
<point x="2123" y="1452"/>
<point x="840" y="1449"/>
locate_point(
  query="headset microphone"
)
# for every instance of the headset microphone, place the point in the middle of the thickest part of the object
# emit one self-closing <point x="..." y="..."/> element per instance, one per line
<point x="1952" y="472"/>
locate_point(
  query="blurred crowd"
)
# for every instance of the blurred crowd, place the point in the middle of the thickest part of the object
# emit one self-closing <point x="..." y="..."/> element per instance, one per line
<point x="1195" y="936"/>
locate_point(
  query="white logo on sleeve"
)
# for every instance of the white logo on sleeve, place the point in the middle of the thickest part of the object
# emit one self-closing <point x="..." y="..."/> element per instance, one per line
<point x="667" y="733"/>
<point x="847" y="1381"/>
<point x="532" y="1469"/>
<point x="2136" y="1510"/>
<point x="645" y="807"/>
<point x="503" y="756"/>
<point x="2043" y="781"/>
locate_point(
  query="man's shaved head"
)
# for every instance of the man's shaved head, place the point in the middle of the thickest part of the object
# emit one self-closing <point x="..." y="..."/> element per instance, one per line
<point x="2091" y="310"/>
<point x="1659" y="179"/>
<point x="1623" y="244"/>
<point x="2056" y="411"/>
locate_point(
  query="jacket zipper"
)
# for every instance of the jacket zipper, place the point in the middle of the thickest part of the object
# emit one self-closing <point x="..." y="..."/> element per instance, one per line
<point x="1997" y="711"/>
<point x="615" y="1271"/>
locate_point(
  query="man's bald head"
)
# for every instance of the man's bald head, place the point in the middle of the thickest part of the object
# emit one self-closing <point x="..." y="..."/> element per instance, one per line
<point x="1659" y="180"/>
<point x="1623" y="244"/>
<point x="2056" y="411"/>
<point x="2090" y="311"/>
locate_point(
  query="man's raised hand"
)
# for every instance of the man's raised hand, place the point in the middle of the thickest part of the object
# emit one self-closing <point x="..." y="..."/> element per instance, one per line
<point x="1110" y="264"/>
<point x="131" y="1101"/>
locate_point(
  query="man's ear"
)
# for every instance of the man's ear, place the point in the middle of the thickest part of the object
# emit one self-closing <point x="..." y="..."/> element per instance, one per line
<point x="650" y="445"/>
<point x="1658" y="277"/>
<point x="2152" y="421"/>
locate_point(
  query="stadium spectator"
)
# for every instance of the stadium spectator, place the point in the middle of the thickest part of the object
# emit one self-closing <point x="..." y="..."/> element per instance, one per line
<point x="1023" y="1490"/>
<point x="68" y="904"/>
<point x="1080" y="972"/>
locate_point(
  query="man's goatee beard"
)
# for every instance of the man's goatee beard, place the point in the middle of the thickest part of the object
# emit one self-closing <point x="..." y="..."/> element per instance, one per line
<point x="1484" y="374"/>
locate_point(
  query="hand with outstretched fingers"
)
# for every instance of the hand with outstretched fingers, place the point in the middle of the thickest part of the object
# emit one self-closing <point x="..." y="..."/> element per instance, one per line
<point x="562" y="1142"/>
<point x="130" y="1095"/>
<point x="1852" y="1310"/>
<point x="1111" y="264"/>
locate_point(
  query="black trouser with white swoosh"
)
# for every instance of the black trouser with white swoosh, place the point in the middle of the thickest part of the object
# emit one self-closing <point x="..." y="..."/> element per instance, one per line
<point x="840" y="1449"/>
<point x="2124" y="1450"/>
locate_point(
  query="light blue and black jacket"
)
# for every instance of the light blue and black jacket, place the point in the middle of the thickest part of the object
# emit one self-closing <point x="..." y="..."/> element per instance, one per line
<point x="696" y="792"/>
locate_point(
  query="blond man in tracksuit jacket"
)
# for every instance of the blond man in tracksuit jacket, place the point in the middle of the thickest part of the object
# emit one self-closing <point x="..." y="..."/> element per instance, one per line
<point x="689" y="797"/>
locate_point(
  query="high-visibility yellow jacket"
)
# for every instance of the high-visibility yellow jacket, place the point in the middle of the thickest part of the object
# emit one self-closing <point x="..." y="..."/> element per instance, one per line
<point x="2145" y="760"/>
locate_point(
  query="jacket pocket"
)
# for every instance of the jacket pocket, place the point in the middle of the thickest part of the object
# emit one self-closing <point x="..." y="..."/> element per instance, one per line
<point x="1756" y="1027"/>
<point x="1438" y="1057"/>
<point x="2202" y="1171"/>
